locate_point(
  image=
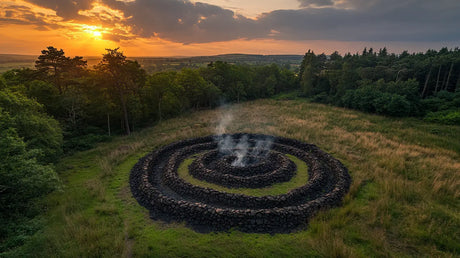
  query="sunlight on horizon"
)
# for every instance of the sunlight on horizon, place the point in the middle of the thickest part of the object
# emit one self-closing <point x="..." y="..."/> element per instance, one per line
<point x="95" y="31"/>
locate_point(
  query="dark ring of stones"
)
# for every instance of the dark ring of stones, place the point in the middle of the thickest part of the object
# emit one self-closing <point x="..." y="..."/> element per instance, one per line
<point x="156" y="185"/>
<point x="214" y="160"/>
<point x="279" y="169"/>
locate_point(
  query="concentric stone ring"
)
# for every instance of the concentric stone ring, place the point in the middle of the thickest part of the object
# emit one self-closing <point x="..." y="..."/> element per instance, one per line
<point x="157" y="186"/>
<point x="276" y="168"/>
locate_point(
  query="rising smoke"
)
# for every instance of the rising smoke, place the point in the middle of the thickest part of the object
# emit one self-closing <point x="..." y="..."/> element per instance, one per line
<point x="241" y="148"/>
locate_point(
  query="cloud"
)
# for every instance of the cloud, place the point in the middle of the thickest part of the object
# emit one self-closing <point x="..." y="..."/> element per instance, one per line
<point x="185" y="22"/>
<point x="395" y="22"/>
<point x="351" y="20"/>
<point x="315" y="3"/>
<point x="67" y="9"/>
<point x="370" y="20"/>
<point x="17" y="14"/>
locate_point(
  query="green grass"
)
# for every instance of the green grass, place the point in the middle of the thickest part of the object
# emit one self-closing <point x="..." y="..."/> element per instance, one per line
<point x="299" y="179"/>
<point x="403" y="201"/>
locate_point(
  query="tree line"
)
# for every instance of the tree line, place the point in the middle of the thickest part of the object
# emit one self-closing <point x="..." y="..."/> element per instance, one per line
<point x="419" y="84"/>
<point x="118" y="96"/>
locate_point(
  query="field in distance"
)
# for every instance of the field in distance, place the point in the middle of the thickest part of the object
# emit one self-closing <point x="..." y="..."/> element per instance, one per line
<point x="157" y="64"/>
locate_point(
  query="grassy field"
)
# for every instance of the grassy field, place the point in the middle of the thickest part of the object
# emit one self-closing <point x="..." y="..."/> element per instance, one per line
<point x="403" y="201"/>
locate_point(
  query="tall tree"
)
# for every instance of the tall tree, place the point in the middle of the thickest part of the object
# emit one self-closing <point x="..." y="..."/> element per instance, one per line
<point x="426" y="82"/>
<point x="157" y="87"/>
<point x="309" y="71"/>
<point x="54" y="64"/>
<point x="122" y="76"/>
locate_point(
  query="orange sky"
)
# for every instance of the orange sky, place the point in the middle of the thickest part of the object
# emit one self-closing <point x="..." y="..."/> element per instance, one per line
<point x="92" y="31"/>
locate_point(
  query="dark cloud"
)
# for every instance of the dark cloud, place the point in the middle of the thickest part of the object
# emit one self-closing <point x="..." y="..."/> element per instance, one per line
<point x="9" y="14"/>
<point x="67" y="9"/>
<point x="22" y="15"/>
<point x="185" y="22"/>
<point x="353" y="20"/>
<point x="344" y="20"/>
<point x="372" y="20"/>
<point x="315" y="3"/>
<point x="42" y="28"/>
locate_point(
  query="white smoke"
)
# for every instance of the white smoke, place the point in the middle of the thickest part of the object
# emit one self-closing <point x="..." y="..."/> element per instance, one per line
<point x="225" y="142"/>
<point x="241" y="148"/>
<point x="224" y="121"/>
<point x="262" y="148"/>
<point x="241" y="151"/>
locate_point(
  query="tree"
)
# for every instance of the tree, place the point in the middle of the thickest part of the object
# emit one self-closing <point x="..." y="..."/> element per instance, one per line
<point x="194" y="87"/>
<point x="157" y="87"/>
<point x="46" y="94"/>
<point x="123" y="76"/>
<point x="54" y="64"/>
<point x="309" y="71"/>
<point x="347" y="79"/>
<point x="3" y="83"/>
<point x="38" y="130"/>
<point x="22" y="177"/>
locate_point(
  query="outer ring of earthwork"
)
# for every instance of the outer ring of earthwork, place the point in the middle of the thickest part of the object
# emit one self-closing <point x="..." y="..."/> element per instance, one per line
<point x="156" y="185"/>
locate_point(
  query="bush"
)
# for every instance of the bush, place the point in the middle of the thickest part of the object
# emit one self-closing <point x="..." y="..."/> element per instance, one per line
<point x="368" y="99"/>
<point x="442" y="101"/>
<point x="392" y="104"/>
<point x="22" y="178"/>
<point x="38" y="130"/>
<point x="22" y="181"/>
<point x="322" y="98"/>
<point x="448" y="117"/>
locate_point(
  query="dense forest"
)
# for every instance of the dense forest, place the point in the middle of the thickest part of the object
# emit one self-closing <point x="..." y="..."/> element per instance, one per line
<point x="422" y="84"/>
<point x="63" y="106"/>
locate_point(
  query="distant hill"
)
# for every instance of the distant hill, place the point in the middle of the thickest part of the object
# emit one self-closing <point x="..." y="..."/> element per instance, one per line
<point x="156" y="64"/>
<point x="7" y="58"/>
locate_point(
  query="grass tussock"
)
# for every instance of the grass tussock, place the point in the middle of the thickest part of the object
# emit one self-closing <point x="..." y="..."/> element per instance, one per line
<point x="403" y="199"/>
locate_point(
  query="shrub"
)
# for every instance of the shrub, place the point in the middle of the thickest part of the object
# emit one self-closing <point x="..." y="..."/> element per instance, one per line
<point x="38" y="130"/>
<point x="448" y="117"/>
<point x="371" y="100"/>
<point x="396" y="105"/>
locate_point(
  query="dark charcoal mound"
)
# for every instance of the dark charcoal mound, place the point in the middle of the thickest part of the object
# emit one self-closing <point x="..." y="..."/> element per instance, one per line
<point x="220" y="163"/>
<point x="156" y="185"/>
<point x="276" y="168"/>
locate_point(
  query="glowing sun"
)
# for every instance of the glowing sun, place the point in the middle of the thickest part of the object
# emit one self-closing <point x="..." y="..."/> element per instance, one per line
<point x="94" y="31"/>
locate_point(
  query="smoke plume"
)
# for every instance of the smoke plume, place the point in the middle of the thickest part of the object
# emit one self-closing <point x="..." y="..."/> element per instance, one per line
<point x="241" y="148"/>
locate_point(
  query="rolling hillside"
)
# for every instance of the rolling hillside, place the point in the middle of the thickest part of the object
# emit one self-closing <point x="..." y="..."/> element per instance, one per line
<point x="403" y="199"/>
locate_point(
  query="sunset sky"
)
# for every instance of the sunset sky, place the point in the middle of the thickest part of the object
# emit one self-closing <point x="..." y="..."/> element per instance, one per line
<point x="209" y="27"/>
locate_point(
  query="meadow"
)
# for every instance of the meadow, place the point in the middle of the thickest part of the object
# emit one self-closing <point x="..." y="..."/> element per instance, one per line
<point x="403" y="201"/>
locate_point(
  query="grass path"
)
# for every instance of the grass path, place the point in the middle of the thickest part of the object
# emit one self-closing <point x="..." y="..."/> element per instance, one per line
<point x="403" y="201"/>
